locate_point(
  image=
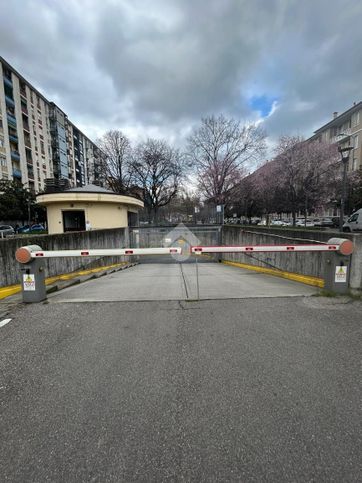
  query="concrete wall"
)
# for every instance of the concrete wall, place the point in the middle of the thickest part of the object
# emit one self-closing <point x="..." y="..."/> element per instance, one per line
<point x="10" y="268"/>
<point x="306" y="264"/>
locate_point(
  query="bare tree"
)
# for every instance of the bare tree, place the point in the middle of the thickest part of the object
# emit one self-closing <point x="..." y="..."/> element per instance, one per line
<point x="159" y="170"/>
<point x="218" y="149"/>
<point x="305" y="170"/>
<point x="116" y="160"/>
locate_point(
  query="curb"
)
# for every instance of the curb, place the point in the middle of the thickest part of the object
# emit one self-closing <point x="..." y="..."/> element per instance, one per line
<point x="306" y="279"/>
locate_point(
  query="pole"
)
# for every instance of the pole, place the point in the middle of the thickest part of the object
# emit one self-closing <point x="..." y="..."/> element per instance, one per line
<point x="197" y="279"/>
<point x="343" y="197"/>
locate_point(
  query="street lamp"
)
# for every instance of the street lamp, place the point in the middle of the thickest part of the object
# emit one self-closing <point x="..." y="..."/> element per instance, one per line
<point x="344" y="152"/>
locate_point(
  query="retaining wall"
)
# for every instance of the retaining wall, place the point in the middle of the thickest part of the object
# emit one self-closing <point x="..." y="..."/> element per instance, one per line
<point x="311" y="263"/>
<point x="307" y="264"/>
<point x="10" y="268"/>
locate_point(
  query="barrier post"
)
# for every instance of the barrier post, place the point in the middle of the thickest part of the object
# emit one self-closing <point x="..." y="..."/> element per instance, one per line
<point x="337" y="269"/>
<point x="32" y="275"/>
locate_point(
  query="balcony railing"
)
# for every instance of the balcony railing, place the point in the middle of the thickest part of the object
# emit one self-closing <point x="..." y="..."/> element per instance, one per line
<point x="15" y="155"/>
<point x="9" y="101"/>
<point x="16" y="173"/>
<point x="11" y="119"/>
<point x="13" y="138"/>
<point x="24" y="110"/>
<point x="342" y="136"/>
<point x="8" y="81"/>
<point x="26" y="126"/>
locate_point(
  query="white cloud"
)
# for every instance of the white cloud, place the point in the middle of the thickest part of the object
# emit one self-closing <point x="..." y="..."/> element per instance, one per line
<point x="154" y="69"/>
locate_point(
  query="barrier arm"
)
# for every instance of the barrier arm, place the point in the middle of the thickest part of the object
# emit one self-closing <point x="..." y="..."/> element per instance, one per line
<point x="27" y="253"/>
<point x="340" y="245"/>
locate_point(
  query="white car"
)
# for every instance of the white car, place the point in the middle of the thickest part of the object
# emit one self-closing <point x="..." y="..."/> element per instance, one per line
<point x="6" y="230"/>
<point x="307" y="223"/>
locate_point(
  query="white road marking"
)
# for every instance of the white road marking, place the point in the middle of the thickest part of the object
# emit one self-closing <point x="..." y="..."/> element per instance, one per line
<point x="4" y="322"/>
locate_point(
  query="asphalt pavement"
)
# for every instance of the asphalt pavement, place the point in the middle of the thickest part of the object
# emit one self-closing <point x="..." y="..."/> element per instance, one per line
<point x="251" y="390"/>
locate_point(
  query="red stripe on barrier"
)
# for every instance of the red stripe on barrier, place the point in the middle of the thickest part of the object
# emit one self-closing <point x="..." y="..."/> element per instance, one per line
<point x="84" y="253"/>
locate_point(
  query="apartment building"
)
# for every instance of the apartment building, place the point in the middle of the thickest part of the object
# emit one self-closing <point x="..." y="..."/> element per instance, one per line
<point x="37" y="140"/>
<point x="346" y="130"/>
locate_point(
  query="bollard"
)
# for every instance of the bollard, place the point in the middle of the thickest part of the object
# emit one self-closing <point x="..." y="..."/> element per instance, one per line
<point x="33" y="274"/>
<point x="337" y="269"/>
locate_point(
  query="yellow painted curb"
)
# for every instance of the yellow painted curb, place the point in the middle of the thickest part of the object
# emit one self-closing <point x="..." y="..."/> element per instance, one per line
<point x="13" y="289"/>
<point x="308" y="280"/>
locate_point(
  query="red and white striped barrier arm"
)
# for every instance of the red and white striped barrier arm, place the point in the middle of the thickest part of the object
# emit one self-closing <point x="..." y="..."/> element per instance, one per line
<point x="25" y="254"/>
<point x="343" y="246"/>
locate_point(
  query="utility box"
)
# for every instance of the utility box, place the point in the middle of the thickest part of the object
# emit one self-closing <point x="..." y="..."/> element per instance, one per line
<point x="32" y="274"/>
<point x="33" y="281"/>
<point x="337" y="273"/>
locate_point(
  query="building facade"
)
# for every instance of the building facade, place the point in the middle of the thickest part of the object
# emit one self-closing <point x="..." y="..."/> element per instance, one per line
<point x="37" y="140"/>
<point x="346" y="130"/>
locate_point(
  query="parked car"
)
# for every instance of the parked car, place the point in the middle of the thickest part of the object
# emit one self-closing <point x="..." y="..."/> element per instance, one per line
<point x="307" y="224"/>
<point x="31" y="228"/>
<point x="335" y="220"/>
<point x="354" y="222"/>
<point x="328" y="222"/>
<point x="6" y="230"/>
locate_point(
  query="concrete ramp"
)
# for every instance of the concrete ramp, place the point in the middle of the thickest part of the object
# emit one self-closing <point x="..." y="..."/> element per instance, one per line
<point x="178" y="281"/>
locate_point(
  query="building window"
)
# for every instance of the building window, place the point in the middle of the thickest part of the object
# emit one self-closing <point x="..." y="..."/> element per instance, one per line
<point x="355" y="119"/>
<point x="355" y="141"/>
<point x="3" y="161"/>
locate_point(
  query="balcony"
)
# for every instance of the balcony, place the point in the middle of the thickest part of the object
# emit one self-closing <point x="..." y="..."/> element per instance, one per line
<point x="342" y="136"/>
<point x="13" y="138"/>
<point x="30" y="174"/>
<point x="8" y="82"/>
<point x="9" y="101"/>
<point x="26" y="127"/>
<point x="24" y="110"/>
<point x="16" y="173"/>
<point x="11" y="120"/>
<point x="15" y="155"/>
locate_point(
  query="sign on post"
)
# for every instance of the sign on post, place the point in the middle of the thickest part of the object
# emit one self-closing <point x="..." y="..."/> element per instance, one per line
<point x="29" y="282"/>
<point x="341" y="274"/>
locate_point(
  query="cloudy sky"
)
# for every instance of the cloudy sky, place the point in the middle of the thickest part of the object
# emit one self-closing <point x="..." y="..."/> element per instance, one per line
<point x="155" y="67"/>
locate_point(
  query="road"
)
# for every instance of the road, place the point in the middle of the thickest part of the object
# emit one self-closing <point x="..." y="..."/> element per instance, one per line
<point x="250" y="389"/>
<point x="176" y="281"/>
